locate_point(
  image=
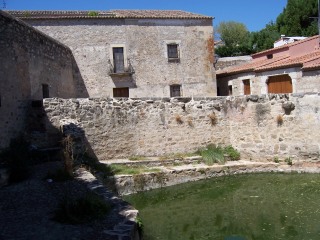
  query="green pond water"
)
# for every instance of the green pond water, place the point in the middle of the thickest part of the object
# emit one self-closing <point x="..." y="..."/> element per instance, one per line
<point x="256" y="206"/>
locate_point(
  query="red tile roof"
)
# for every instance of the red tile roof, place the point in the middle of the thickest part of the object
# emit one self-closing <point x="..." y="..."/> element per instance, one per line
<point x="265" y="52"/>
<point x="307" y="61"/>
<point x="157" y="14"/>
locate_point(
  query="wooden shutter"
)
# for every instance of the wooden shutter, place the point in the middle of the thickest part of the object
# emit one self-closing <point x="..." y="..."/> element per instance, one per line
<point x="118" y="60"/>
<point x="175" y="91"/>
<point x="246" y="87"/>
<point x="280" y="84"/>
<point x="173" y="51"/>
<point x="121" y="92"/>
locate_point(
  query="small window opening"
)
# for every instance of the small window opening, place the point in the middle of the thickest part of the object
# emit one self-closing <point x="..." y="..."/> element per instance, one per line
<point x="173" y="51"/>
<point x="175" y="91"/>
<point x="121" y="92"/>
<point x="270" y="56"/>
<point x="45" y="90"/>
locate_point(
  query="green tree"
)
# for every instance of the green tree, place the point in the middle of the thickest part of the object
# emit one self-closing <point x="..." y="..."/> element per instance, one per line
<point x="264" y="38"/>
<point x="298" y="18"/>
<point x="236" y="37"/>
<point x="233" y="33"/>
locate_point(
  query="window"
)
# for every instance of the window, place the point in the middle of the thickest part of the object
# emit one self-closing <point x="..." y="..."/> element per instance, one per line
<point x="118" y="59"/>
<point x="121" y="92"/>
<point x="246" y="87"/>
<point x="270" y="56"/>
<point x="45" y="90"/>
<point x="175" y="90"/>
<point x="173" y="51"/>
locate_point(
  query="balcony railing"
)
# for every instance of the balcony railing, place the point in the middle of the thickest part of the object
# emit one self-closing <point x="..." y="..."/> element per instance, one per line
<point x="127" y="69"/>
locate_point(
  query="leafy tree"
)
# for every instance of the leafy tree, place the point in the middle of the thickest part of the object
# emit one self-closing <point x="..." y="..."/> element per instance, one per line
<point x="264" y="38"/>
<point x="236" y="36"/>
<point x="298" y="18"/>
<point x="233" y="33"/>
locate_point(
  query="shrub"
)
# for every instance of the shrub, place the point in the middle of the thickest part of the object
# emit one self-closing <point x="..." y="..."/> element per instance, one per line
<point x="85" y="209"/>
<point x="93" y="13"/>
<point x="215" y="154"/>
<point x="276" y="160"/>
<point x="212" y="154"/>
<point x="288" y="160"/>
<point x="232" y="153"/>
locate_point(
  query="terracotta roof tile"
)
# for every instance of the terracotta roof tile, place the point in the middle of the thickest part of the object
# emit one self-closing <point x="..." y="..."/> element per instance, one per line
<point x="157" y="14"/>
<point x="250" y="66"/>
<point x="285" y="46"/>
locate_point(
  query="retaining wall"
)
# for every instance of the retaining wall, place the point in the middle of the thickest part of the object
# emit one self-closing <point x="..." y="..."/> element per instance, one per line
<point x="260" y="127"/>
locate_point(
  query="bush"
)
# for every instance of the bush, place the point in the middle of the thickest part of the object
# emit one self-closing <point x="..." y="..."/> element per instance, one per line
<point x="215" y="154"/>
<point x="212" y="154"/>
<point x="232" y="153"/>
<point x="85" y="209"/>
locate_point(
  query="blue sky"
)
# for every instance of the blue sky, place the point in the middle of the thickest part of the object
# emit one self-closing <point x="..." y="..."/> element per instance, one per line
<point x="255" y="14"/>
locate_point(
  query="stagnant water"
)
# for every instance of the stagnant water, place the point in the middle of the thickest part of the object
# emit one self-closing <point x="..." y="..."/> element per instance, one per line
<point x="256" y="206"/>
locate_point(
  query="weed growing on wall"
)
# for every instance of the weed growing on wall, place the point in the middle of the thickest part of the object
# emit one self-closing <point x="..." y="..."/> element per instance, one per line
<point x="280" y="120"/>
<point x="216" y="154"/>
<point x="179" y="119"/>
<point x="213" y="119"/>
<point x="288" y="160"/>
<point x="276" y="160"/>
<point x="68" y="154"/>
<point x="139" y="182"/>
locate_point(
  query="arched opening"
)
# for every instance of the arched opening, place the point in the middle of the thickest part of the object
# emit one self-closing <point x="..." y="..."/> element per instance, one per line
<point x="280" y="84"/>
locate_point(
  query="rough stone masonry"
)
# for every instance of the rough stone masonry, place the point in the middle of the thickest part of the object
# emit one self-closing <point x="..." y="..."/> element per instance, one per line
<point x="260" y="127"/>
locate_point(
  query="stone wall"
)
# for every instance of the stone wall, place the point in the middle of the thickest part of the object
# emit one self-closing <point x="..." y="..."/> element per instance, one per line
<point x="231" y="61"/>
<point x="145" y="46"/>
<point x="28" y="60"/>
<point x="260" y="127"/>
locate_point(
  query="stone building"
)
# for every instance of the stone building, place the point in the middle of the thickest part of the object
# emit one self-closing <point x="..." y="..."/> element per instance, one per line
<point x="33" y="66"/>
<point x="135" y="53"/>
<point x="291" y="68"/>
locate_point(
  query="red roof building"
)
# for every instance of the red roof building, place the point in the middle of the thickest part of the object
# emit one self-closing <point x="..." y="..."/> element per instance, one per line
<point x="291" y="68"/>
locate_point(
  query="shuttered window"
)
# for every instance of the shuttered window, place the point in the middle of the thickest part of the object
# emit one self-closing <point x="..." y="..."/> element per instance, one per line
<point x="121" y="92"/>
<point x="280" y="84"/>
<point x="173" y="51"/>
<point x="118" y="59"/>
<point x="175" y="90"/>
<point x="246" y="87"/>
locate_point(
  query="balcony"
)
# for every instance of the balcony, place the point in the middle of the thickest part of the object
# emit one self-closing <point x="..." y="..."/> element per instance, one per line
<point x="125" y="69"/>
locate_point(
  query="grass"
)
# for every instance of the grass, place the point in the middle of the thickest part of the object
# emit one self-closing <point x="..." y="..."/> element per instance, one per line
<point x="216" y="154"/>
<point x="177" y="156"/>
<point x="131" y="170"/>
<point x="137" y="158"/>
<point x="82" y="210"/>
